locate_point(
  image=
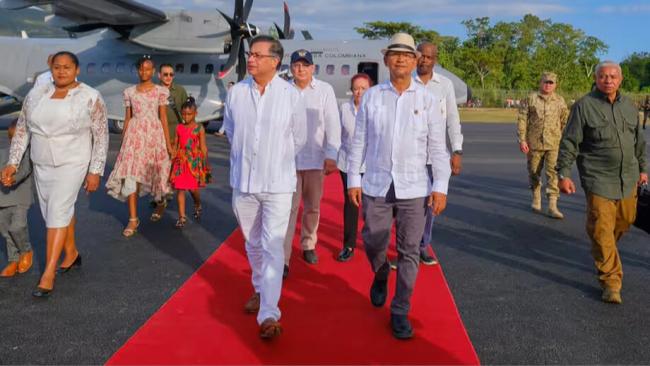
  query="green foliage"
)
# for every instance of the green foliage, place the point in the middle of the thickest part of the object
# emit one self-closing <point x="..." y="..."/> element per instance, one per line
<point x="636" y="72"/>
<point x="510" y="55"/>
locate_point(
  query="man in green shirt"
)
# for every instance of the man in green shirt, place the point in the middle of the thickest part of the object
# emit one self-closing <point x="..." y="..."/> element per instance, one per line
<point x="604" y="135"/>
<point x="177" y="96"/>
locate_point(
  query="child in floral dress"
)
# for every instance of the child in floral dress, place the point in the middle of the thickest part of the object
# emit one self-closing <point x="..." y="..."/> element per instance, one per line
<point x="190" y="169"/>
<point x="143" y="163"/>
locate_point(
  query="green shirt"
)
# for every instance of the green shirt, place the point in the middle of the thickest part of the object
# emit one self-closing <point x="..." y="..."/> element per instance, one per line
<point x="177" y="96"/>
<point x="608" y="144"/>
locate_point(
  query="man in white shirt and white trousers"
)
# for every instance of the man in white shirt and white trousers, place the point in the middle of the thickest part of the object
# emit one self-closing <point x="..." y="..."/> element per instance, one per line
<point x="443" y="89"/>
<point x="399" y="129"/>
<point x="264" y="119"/>
<point x="317" y="158"/>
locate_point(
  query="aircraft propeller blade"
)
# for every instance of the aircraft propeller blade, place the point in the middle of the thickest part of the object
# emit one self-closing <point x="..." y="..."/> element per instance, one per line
<point x="287" y="22"/>
<point x="247" y="9"/>
<point x="279" y="30"/>
<point x="241" y="64"/>
<point x="240" y="30"/>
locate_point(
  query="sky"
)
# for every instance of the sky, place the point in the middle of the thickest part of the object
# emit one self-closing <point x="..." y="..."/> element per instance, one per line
<point x="621" y="24"/>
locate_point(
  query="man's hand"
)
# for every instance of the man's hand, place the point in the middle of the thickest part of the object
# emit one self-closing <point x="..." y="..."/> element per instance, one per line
<point x="523" y="146"/>
<point x="566" y="186"/>
<point x="92" y="182"/>
<point x="7" y="175"/>
<point x="456" y="164"/>
<point x="643" y="179"/>
<point x="438" y="202"/>
<point x="329" y="166"/>
<point x="354" y="194"/>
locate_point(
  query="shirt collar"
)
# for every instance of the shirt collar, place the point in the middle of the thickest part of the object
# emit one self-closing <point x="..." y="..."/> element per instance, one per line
<point x="387" y="85"/>
<point x="253" y="84"/>
<point x="312" y="83"/>
<point x="434" y="78"/>
<point x="602" y="96"/>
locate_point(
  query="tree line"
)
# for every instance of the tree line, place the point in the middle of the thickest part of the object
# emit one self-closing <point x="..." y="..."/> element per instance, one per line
<point x="512" y="55"/>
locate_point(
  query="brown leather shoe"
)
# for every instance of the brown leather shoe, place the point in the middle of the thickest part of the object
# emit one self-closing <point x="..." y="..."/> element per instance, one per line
<point x="10" y="270"/>
<point x="270" y="328"/>
<point x="253" y="304"/>
<point x="25" y="262"/>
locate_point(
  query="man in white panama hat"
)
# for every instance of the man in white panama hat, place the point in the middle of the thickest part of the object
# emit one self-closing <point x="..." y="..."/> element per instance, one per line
<point x="399" y="129"/>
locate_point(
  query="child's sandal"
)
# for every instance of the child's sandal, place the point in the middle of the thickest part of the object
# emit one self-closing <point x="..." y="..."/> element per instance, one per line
<point x="197" y="212"/>
<point x="181" y="222"/>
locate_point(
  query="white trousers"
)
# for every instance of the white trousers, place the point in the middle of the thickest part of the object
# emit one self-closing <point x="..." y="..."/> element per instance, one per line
<point x="264" y="218"/>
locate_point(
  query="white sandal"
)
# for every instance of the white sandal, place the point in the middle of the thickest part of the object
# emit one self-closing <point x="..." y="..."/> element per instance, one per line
<point x="128" y="232"/>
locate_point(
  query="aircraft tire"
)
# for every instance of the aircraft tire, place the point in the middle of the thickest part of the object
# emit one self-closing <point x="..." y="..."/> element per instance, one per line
<point x="116" y="125"/>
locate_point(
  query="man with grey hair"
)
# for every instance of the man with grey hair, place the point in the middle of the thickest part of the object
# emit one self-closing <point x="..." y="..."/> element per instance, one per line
<point x="604" y="135"/>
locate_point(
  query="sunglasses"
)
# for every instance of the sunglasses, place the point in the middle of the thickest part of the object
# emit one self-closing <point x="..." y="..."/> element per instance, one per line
<point x="549" y="82"/>
<point x="168" y="74"/>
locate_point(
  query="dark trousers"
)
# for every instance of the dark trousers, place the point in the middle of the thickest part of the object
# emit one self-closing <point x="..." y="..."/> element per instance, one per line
<point x="409" y="214"/>
<point x="350" y="217"/>
<point x="645" y="117"/>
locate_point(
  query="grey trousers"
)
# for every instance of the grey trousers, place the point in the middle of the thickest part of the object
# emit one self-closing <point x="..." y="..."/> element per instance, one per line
<point x="13" y="227"/>
<point x="409" y="215"/>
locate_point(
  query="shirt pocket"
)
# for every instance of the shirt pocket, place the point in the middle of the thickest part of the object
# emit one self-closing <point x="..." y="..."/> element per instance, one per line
<point x="601" y="132"/>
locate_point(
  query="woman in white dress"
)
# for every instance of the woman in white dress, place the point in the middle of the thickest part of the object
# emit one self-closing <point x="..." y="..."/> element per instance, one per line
<point x="358" y="85"/>
<point x="64" y="126"/>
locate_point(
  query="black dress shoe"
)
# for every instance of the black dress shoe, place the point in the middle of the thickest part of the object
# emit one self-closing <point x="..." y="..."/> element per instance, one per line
<point x="378" y="292"/>
<point x="401" y="326"/>
<point x="345" y="254"/>
<point x="76" y="263"/>
<point x="425" y="258"/>
<point x="285" y="272"/>
<point x="310" y="256"/>
<point x="41" y="292"/>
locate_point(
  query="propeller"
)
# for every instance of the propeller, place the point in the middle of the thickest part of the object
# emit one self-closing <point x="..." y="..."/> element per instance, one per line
<point x="286" y="32"/>
<point x="240" y="30"/>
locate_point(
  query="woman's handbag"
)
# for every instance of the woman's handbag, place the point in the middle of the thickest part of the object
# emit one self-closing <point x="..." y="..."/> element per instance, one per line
<point x="643" y="209"/>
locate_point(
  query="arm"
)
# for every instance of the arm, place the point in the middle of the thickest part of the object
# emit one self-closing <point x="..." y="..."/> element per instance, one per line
<point x="24" y="170"/>
<point x="438" y="155"/>
<point x="453" y="120"/>
<point x="564" y="115"/>
<point x="228" y="124"/>
<point x="299" y="124"/>
<point x="17" y="150"/>
<point x="99" y="129"/>
<point x="569" y="149"/>
<point x="332" y="131"/>
<point x="640" y="151"/>
<point x="127" y="112"/>
<point x="357" y="153"/>
<point x="162" y="113"/>
<point x="203" y="146"/>
<point x="522" y="126"/>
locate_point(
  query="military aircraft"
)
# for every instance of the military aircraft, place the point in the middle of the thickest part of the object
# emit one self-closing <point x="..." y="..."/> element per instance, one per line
<point x="206" y="48"/>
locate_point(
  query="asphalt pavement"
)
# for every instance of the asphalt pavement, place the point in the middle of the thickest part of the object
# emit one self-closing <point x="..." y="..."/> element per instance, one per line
<point x="524" y="283"/>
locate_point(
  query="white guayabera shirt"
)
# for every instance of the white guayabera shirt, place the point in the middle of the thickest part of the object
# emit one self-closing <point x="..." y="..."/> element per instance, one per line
<point x="396" y="135"/>
<point x="265" y="132"/>
<point x="443" y="89"/>
<point x="323" y="126"/>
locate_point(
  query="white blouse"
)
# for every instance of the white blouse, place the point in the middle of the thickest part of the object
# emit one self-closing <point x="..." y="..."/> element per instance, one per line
<point x="348" y="120"/>
<point x="75" y="131"/>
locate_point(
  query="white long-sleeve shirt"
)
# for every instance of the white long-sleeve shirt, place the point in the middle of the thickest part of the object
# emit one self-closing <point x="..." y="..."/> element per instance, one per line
<point x="443" y="89"/>
<point x="348" y="122"/>
<point x="323" y="126"/>
<point x="265" y="132"/>
<point x="396" y="135"/>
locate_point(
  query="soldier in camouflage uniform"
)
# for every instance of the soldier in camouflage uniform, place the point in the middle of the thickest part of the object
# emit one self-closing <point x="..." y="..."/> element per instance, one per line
<point x="541" y="121"/>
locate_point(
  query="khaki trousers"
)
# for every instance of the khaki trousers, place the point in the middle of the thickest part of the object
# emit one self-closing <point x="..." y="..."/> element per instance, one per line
<point x="310" y="190"/>
<point x="607" y="221"/>
<point x="539" y="159"/>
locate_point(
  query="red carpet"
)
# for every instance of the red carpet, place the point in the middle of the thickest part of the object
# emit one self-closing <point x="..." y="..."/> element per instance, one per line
<point x="326" y="313"/>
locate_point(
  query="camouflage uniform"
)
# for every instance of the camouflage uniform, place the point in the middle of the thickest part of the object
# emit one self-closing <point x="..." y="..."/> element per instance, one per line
<point x="541" y="120"/>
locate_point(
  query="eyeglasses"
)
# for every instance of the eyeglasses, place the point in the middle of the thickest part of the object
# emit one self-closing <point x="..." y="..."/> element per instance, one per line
<point x="168" y="74"/>
<point x="257" y="55"/>
<point x="394" y="54"/>
<point x="549" y="82"/>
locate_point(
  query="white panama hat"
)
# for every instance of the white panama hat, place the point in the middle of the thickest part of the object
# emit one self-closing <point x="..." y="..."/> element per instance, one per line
<point x="401" y="42"/>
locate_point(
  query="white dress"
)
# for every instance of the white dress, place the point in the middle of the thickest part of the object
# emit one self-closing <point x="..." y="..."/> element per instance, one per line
<point x="67" y="138"/>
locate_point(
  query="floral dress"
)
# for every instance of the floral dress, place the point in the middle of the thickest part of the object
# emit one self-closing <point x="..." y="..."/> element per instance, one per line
<point x="143" y="157"/>
<point x="190" y="168"/>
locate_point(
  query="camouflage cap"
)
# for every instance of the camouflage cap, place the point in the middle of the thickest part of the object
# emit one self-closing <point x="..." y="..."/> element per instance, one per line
<point x="549" y="76"/>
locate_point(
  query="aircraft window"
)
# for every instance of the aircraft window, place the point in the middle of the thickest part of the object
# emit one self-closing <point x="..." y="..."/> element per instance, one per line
<point x="209" y="68"/>
<point x="106" y="67"/>
<point x="194" y="69"/>
<point x="345" y="70"/>
<point x="329" y="70"/>
<point x="180" y="68"/>
<point x="316" y="69"/>
<point x="91" y="68"/>
<point x="120" y="67"/>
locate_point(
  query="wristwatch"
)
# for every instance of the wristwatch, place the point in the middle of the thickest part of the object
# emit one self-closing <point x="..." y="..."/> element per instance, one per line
<point x="458" y="152"/>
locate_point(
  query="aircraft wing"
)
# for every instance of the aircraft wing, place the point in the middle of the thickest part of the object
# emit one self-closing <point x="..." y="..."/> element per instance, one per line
<point x="108" y="12"/>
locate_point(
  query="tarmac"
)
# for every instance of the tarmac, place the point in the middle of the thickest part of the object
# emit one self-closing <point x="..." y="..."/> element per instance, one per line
<point x="524" y="283"/>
